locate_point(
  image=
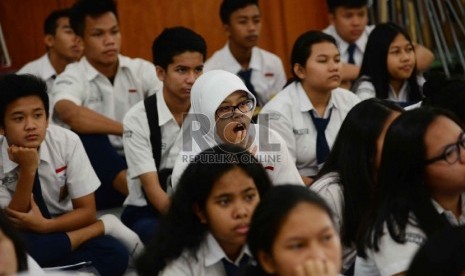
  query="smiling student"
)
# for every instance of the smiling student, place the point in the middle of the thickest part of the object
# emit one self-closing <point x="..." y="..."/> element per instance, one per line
<point x="221" y="113"/>
<point x="261" y="71"/>
<point x="205" y="230"/>
<point x="389" y="67"/>
<point x="309" y="111"/>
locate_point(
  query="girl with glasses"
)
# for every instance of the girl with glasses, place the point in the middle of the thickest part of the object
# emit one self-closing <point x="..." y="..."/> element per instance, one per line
<point x="421" y="190"/>
<point x="221" y="113"/>
<point x="309" y="111"/>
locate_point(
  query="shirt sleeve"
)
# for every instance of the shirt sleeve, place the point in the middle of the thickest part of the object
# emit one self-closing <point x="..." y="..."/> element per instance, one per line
<point x="69" y="86"/>
<point x="81" y="178"/>
<point x="365" y="90"/>
<point x="329" y="189"/>
<point x="393" y="257"/>
<point x="150" y="82"/>
<point x="5" y="196"/>
<point x="137" y="145"/>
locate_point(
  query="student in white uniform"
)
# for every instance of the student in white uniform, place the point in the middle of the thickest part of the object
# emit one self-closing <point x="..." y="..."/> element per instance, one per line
<point x="295" y="237"/>
<point x="63" y="48"/>
<point x="421" y="190"/>
<point x="388" y="70"/>
<point x="312" y="100"/>
<point x="221" y="113"/>
<point x="348" y="25"/>
<point x="179" y="54"/>
<point x="262" y="71"/>
<point x="348" y="186"/>
<point x="205" y="230"/>
<point x="93" y="95"/>
<point x="47" y="186"/>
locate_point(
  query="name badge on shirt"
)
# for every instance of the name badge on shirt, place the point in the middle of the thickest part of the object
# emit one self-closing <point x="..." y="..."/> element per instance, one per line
<point x="301" y="131"/>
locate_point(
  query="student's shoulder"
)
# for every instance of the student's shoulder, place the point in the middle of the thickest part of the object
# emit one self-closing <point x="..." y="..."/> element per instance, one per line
<point x="327" y="183"/>
<point x="135" y="63"/>
<point x="59" y="135"/>
<point x="136" y="113"/>
<point x="345" y="96"/>
<point x="281" y="102"/>
<point x="268" y="56"/>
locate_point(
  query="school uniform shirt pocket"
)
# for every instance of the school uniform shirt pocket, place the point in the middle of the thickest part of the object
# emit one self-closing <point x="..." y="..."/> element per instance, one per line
<point x="61" y="182"/>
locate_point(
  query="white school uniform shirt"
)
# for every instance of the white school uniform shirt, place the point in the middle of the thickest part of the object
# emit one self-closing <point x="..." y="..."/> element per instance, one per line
<point x="361" y="43"/>
<point x="206" y="262"/>
<point x="65" y="171"/>
<point x="138" y="148"/>
<point x="366" y="90"/>
<point x="393" y="257"/>
<point x="199" y="133"/>
<point x="268" y="77"/>
<point x="329" y="188"/>
<point x="82" y="84"/>
<point x="289" y="116"/>
<point x="42" y="68"/>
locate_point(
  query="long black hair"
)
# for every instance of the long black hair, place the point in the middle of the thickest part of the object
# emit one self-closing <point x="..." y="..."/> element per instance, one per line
<point x="374" y="65"/>
<point x="401" y="190"/>
<point x="270" y="214"/>
<point x="181" y="229"/>
<point x="356" y="141"/>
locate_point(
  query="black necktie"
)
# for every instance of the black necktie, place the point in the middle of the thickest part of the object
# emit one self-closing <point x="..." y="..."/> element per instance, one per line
<point x="230" y="268"/>
<point x="322" y="148"/>
<point x="39" y="199"/>
<point x="351" y="51"/>
<point x="245" y="75"/>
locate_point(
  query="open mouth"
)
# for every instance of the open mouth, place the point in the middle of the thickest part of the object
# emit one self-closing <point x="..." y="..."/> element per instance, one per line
<point x="239" y="127"/>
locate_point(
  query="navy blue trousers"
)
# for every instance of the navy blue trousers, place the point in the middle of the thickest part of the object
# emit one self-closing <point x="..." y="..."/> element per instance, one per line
<point x="105" y="253"/>
<point x="142" y="220"/>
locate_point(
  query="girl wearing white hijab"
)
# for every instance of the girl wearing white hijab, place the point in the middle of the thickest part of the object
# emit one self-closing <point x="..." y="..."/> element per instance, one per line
<point x="221" y="112"/>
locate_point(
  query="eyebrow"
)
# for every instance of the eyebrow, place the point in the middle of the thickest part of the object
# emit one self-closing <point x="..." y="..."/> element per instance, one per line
<point x="246" y="190"/>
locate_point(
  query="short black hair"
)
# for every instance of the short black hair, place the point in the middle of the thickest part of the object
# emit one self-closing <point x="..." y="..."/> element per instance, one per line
<point x="351" y="4"/>
<point x="13" y="87"/>
<point x="51" y="22"/>
<point x="174" y="41"/>
<point x="230" y="6"/>
<point x="92" y="8"/>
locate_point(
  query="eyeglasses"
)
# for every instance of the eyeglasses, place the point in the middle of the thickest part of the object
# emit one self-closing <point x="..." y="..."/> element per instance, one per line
<point x="226" y="112"/>
<point x="452" y="152"/>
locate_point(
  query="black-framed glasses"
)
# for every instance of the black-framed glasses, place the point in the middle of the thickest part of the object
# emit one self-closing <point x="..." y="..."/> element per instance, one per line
<point x="225" y="112"/>
<point x="451" y="153"/>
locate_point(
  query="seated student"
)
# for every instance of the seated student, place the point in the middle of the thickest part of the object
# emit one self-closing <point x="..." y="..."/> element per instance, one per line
<point x="261" y="71"/>
<point x="348" y="186"/>
<point x="205" y="230"/>
<point x="47" y="186"/>
<point x="388" y="68"/>
<point x="93" y="95"/>
<point x="295" y="237"/>
<point x="63" y="47"/>
<point x="178" y="54"/>
<point x="309" y="111"/>
<point x="221" y="113"/>
<point x="445" y="93"/>
<point x="442" y="254"/>
<point x="421" y="190"/>
<point x="348" y="25"/>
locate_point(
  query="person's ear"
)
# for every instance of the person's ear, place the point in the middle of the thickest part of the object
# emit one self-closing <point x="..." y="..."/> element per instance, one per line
<point x="331" y="18"/>
<point x="49" y="40"/>
<point x="227" y="29"/>
<point x="161" y="73"/>
<point x="299" y="71"/>
<point x="200" y="213"/>
<point x="266" y="262"/>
